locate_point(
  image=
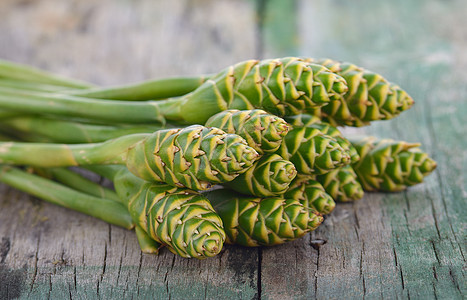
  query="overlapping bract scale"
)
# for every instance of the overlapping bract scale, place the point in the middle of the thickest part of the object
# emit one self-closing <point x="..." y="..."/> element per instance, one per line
<point x="306" y="120"/>
<point x="370" y="97"/>
<point x="284" y="86"/>
<point x="269" y="176"/>
<point x="262" y="131"/>
<point x="193" y="157"/>
<point x="312" y="152"/>
<point x="181" y="219"/>
<point x="389" y="165"/>
<point x="252" y="222"/>
<point x="341" y="184"/>
<point x="311" y="194"/>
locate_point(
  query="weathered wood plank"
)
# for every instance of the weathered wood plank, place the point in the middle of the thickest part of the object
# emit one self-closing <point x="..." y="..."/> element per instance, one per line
<point x="403" y="245"/>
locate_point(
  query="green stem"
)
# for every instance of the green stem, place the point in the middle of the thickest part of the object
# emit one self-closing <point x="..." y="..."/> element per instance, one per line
<point x="71" y="106"/>
<point x="108" y="171"/>
<point x="30" y="86"/>
<point x="22" y="72"/>
<point x="146" y="90"/>
<point x="82" y="184"/>
<point x="107" y="210"/>
<point x="62" y="155"/>
<point x="71" y="132"/>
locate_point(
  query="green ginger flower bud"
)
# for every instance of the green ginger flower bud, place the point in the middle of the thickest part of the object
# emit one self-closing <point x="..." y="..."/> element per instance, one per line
<point x="269" y="176"/>
<point x="306" y="120"/>
<point x="193" y="157"/>
<point x="182" y="220"/>
<point x="390" y="166"/>
<point x="370" y="97"/>
<point x="312" y="152"/>
<point x="262" y="131"/>
<point x="252" y="222"/>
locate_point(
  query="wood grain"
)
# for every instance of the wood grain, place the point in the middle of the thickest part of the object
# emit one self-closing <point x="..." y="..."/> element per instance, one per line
<point x="401" y="245"/>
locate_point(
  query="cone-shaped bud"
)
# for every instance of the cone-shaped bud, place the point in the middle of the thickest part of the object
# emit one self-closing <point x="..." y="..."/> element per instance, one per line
<point x="252" y="222"/>
<point x="181" y="219"/>
<point x="269" y="176"/>
<point x="370" y="97"/>
<point x="341" y="184"/>
<point x="311" y="194"/>
<point x="284" y="86"/>
<point x="306" y="120"/>
<point x="390" y="166"/>
<point x="192" y="157"/>
<point x="262" y="131"/>
<point x="312" y="152"/>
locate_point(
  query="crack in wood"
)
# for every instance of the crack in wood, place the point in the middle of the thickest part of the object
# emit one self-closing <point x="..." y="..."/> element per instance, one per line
<point x="435" y="251"/>
<point x="119" y="268"/>
<point x="36" y="258"/>
<point x="103" y="269"/>
<point x="317" y="270"/>
<point x="407" y="201"/>
<point x="440" y="180"/>
<point x="402" y="278"/>
<point x="407" y="223"/>
<point x="139" y="271"/>
<point x="74" y="277"/>
<point x="434" y="273"/>
<point x="361" y="260"/>
<point x="357" y="223"/>
<point x="433" y="213"/>
<point x="69" y="292"/>
<point x="4" y="249"/>
<point x="395" y="256"/>
<point x="434" y="291"/>
<point x="258" y="282"/>
<point x="50" y="285"/>
<point x="455" y="281"/>
<point x="364" y="286"/>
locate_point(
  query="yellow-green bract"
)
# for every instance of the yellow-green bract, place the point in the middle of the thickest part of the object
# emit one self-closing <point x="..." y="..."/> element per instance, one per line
<point x="389" y="165"/>
<point x="251" y="221"/>
<point x="370" y="97"/>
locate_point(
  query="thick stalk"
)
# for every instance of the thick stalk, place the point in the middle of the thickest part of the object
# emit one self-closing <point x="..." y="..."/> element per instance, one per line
<point x="71" y="132"/>
<point x="146" y="90"/>
<point x="11" y="70"/>
<point x="62" y="155"/>
<point x="30" y="102"/>
<point x="81" y="183"/>
<point x="30" y="86"/>
<point x="104" y="209"/>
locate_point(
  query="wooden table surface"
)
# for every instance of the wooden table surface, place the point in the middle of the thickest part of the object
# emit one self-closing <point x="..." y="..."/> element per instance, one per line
<point x="402" y="245"/>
